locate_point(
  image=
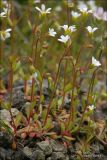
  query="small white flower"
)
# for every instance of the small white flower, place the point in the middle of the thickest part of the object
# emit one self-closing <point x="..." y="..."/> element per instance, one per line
<point x="5" y="34"/>
<point x="91" y="30"/>
<point x="75" y="14"/>
<point x="43" y="9"/>
<point x="92" y="107"/>
<point x="64" y="39"/>
<point x="65" y="27"/>
<point x="85" y="10"/>
<point x="3" y="14"/>
<point x="52" y="32"/>
<point x="70" y="28"/>
<point x="95" y="62"/>
<point x="100" y="14"/>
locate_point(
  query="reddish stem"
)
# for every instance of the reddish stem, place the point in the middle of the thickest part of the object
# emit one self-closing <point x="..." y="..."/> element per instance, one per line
<point x="55" y="84"/>
<point x="25" y="87"/>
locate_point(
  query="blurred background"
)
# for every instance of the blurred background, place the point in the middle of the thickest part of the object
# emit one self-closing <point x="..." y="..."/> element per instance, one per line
<point x="24" y="18"/>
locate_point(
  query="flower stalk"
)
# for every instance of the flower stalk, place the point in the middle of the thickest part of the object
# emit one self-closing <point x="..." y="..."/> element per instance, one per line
<point x="55" y="83"/>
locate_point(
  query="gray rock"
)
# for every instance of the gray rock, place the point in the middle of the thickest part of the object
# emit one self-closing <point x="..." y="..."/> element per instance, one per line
<point x="71" y="150"/>
<point x="27" y="151"/>
<point x="18" y="98"/>
<point x="57" y="147"/>
<point x="45" y="147"/>
<point x="5" y="114"/>
<point x="58" y="156"/>
<point x="5" y="139"/>
<point x="38" y="155"/>
<point x="49" y="158"/>
<point x="18" y="156"/>
<point x="67" y="158"/>
<point x="5" y="154"/>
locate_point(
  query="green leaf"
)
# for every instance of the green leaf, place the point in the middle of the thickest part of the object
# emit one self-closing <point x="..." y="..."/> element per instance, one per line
<point x="90" y="138"/>
<point x="74" y="129"/>
<point x="69" y="138"/>
<point x="33" y="103"/>
<point x="29" y="108"/>
<point x="32" y="69"/>
<point x="62" y="127"/>
<point x="16" y="66"/>
<point x="7" y="128"/>
<point x="42" y="98"/>
<point x="44" y="113"/>
<point x="50" y="83"/>
<point x="35" y="117"/>
<point x="60" y="102"/>
<point x="39" y="77"/>
<point x="18" y="119"/>
<point x="54" y="103"/>
<point x="68" y="87"/>
<point x="6" y="105"/>
<point x="48" y="124"/>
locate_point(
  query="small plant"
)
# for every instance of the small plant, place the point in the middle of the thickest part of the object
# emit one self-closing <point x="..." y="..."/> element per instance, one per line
<point x="79" y="59"/>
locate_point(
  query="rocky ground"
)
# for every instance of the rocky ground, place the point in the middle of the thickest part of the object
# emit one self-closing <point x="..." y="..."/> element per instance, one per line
<point x="33" y="149"/>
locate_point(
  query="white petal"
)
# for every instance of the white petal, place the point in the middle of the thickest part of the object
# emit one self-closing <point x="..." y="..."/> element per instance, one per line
<point x="8" y="30"/>
<point x="65" y="27"/>
<point x="5" y="10"/>
<point x="38" y="9"/>
<point x="94" y="29"/>
<point x="63" y="38"/>
<point x="60" y="40"/>
<point x="72" y="28"/>
<point x="95" y="62"/>
<point x="89" y="28"/>
<point x="48" y="10"/>
<point x="52" y="32"/>
<point x="105" y="16"/>
<point x="75" y="14"/>
<point x="7" y="35"/>
<point x="83" y="9"/>
<point x="3" y="14"/>
<point x="43" y="7"/>
<point x="89" y="11"/>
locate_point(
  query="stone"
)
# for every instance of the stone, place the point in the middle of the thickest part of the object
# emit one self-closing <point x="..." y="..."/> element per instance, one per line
<point x="6" y="154"/>
<point x="18" y="156"/>
<point x="45" y="147"/>
<point x="71" y="150"/>
<point x="38" y="155"/>
<point x="27" y="151"/>
<point x="5" y="140"/>
<point x="5" y="114"/>
<point x="57" y="147"/>
<point x="58" y="156"/>
<point x="49" y="158"/>
<point x="67" y="157"/>
<point x="18" y="98"/>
